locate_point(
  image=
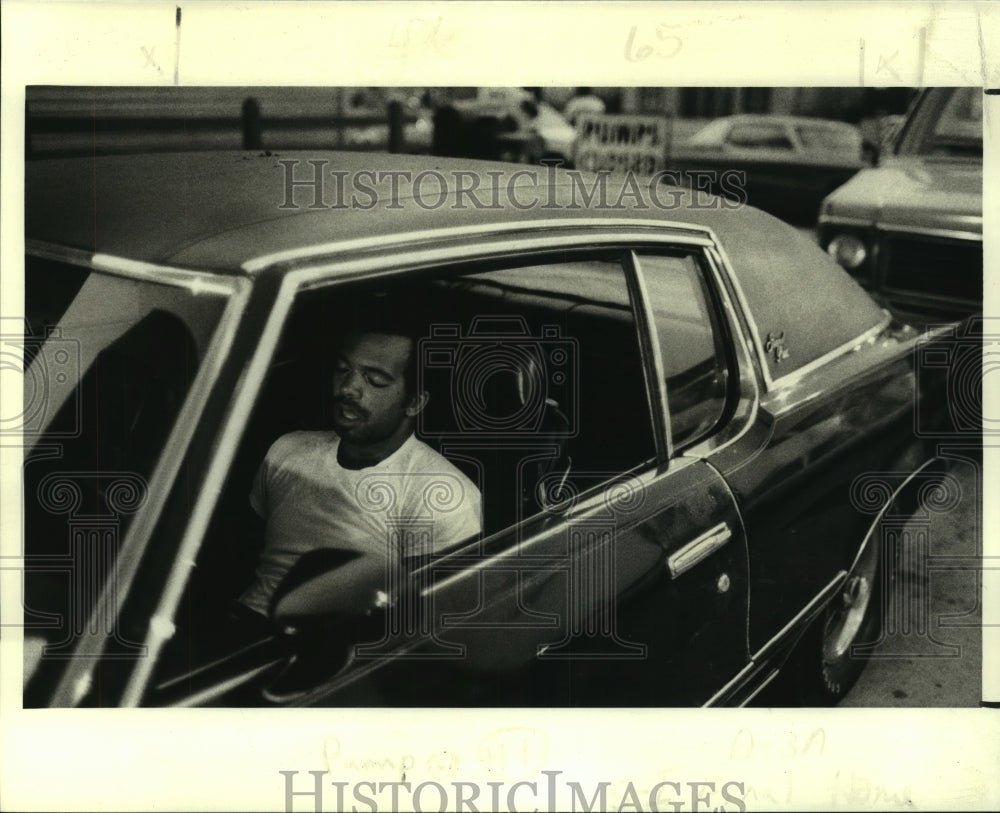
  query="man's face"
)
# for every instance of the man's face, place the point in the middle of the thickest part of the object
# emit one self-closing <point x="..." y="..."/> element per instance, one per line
<point x="371" y="402"/>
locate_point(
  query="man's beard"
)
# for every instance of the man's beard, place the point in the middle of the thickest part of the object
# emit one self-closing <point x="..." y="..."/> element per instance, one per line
<point x="355" y="424"/>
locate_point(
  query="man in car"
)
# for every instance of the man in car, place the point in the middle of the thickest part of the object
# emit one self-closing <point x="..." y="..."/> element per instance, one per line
<point x="358" y="487"/>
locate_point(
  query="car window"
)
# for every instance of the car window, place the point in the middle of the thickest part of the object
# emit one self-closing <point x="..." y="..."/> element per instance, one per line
<point x="691" y="346"/>
<point x="536" y="392"/>
<point x="828" y="138"/>
<point x="945" y="123"/>
<point x="960" y="126"/>
<point x="109" y="361"/>
<point x="712" y="133"/>
<point x="576" y="319"/>
<point x="759" y="136"/>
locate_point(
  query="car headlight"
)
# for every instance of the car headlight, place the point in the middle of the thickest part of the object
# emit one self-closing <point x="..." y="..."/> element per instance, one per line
<point x="848" y="250"/>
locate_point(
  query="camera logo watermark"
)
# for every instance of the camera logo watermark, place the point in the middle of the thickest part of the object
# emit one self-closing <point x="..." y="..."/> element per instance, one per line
<point x="94" y="505"/>
<point x="503" y="382"/>
<point x="48" y="365"/>
<point x="952" y="372"/>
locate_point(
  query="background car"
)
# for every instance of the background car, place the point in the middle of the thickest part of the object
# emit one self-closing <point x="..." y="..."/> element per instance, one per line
<point x="911" y="229"/>
<point x="692" y="431"/>
<point x="791" y="162"/>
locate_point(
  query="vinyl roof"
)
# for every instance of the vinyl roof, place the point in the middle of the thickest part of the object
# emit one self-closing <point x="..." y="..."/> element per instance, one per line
<point x="223" y="211"/>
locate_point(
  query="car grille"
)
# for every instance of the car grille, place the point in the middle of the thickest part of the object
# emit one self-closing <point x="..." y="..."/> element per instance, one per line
<point x="933" y="267"/>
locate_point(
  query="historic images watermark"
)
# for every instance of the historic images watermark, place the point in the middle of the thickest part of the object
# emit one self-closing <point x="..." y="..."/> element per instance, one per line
<point x="543" y="188"/>
<point x="549" y="794"/>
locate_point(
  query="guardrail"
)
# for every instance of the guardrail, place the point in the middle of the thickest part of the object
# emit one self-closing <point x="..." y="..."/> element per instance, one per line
<point x="52" y="132"/>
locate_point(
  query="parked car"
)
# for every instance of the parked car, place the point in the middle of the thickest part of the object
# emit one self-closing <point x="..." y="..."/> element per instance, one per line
<point x="698" y="429"/>
<point x="791" y="162"/>
<point x="911" y="229"/>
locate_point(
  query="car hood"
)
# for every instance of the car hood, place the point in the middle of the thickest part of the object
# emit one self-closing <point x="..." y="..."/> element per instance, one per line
<point x="912" y="193"/>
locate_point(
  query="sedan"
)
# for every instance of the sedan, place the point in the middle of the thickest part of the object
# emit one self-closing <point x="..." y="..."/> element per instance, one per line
<point x="790" y="162"/>
<point x="691" y="433"/>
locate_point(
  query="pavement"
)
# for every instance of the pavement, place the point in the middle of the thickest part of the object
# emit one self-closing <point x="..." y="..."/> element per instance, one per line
<point x="931" y="650"/>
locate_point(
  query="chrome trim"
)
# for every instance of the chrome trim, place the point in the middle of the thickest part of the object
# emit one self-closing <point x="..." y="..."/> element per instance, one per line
<point x="726" y="267"/>
<point x="373" y="266"/>
<point x="817" y="603"/>
<point x="737" y="680"/>
<point x="744" y="360"/>
<point x="882" y="511"/>
<point x="699" y="549"/>
<point x="487" y="230"/>
<point x="763" y="685"/>
<point x="219" y="689"/>
<point x="161" y="482"/>
<point x="951" y="234"/>
<point x="852" y="346"/>
<point x="358" y="670"/>
<point x="902" y="228"/>
<point x="197" y="282"/>
<point x="771" y="383"/>
<point x="234" y="422"/>
<point x="517" y="553"/>
<point x="812" y="608"/>
<point x="837" y="220"/>
<point x="651" y="330"/>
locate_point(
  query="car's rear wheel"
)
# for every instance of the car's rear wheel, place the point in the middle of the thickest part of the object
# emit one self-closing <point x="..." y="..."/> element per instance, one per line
<point x="837" y="648"/>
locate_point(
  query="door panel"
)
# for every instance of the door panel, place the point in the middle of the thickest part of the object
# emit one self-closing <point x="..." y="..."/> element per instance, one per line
<point x="538" y="623"/>
<point x="795" y="492"/>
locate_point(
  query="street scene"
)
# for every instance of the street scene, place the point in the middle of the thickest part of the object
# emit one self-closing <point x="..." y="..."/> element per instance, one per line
<point x="502" y="397"/>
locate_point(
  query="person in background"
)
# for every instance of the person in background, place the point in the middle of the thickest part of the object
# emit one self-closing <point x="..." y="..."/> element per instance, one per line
<point x="584" y="102"/>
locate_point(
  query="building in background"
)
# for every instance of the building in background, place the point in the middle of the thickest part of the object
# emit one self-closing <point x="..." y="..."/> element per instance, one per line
<point x="104" y="120"/>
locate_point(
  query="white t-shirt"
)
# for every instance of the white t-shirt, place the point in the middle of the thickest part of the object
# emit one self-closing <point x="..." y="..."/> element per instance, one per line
<point x="412" y="503"/>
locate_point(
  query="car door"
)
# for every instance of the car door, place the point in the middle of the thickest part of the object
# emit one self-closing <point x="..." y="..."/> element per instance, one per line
<point x="629" y="587"/>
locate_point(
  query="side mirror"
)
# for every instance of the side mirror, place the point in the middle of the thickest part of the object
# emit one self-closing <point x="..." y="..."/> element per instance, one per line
<point x="334" y="584"/>
<point x="330" y="601"/>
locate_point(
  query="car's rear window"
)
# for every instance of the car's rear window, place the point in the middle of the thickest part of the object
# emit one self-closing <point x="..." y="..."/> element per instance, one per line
<point x="829" y="138"/>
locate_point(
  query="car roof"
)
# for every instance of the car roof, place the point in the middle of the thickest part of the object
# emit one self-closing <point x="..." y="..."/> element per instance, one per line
<point x="223" y="212"/>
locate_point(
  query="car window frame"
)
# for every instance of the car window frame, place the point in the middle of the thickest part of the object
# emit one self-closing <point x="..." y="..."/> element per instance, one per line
<point x="918" y="127"/>
<point x="715" y="303"/>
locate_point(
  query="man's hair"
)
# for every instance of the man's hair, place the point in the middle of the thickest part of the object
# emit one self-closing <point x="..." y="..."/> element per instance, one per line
<point x="392" y="316"/>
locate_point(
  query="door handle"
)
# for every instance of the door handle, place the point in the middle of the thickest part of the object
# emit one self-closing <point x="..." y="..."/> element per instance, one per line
<point x="697" y="549"/>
